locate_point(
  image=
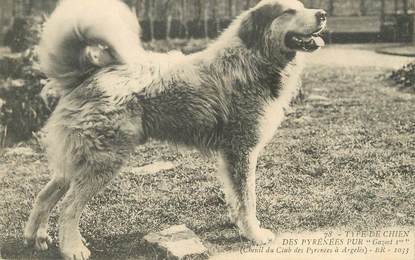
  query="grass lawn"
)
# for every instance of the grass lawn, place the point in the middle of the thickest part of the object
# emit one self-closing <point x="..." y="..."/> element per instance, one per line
<point x="345" y="158"/>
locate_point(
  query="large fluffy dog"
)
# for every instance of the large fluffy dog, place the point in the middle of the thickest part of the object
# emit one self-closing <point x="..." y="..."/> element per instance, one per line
<point x="227" y="100"/>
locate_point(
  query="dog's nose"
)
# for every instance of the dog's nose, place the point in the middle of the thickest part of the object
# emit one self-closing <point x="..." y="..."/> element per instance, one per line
<point x="321" y="16"/>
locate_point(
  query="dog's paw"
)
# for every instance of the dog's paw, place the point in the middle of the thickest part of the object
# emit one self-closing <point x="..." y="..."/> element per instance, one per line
<point x="79" y="252"/>
<point x="29" y="234"/>
<point x="42" y="240"/>
<point x="260" y="236"/>
<point x="28" y="240"/>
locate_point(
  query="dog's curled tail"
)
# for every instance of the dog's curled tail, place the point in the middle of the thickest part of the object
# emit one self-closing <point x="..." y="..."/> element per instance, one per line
<point x="76" y="25"/>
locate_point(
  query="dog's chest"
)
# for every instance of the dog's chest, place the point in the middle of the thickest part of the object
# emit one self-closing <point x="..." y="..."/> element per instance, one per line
<point x="273" y="112"/>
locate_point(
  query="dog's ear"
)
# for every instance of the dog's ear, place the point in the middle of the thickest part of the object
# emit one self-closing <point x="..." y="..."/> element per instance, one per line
<point x="253" y="26"/>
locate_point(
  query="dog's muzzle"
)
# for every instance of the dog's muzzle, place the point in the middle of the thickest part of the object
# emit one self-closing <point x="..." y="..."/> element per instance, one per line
<point x="303" y="42"/>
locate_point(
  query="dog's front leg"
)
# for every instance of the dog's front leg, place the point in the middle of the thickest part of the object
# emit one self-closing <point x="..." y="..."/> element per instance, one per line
<point x="237" y="172"/>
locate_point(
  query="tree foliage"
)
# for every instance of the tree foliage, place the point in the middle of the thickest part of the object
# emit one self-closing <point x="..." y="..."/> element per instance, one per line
<point x="22" y="111"/>
<point x="405" y="76"/>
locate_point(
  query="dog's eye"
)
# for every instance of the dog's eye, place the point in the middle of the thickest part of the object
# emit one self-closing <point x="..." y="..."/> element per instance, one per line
<point x="290" y="11"/>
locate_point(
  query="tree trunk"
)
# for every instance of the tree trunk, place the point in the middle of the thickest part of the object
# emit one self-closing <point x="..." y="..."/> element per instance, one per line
<point x="28" y="6"/>
<point x="405" y="6"/>
<point x="215" y="19"/>
<point x="206" y="19"/>
<point x="151" y="18"/>
<point x="331" y="8"/>
<point x="362" y="8"/>
<point x="183" y="19"/>
<point x="247" y="4"/>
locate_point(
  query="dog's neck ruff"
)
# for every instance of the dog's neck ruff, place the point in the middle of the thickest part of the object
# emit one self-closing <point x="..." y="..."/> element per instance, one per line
<point x="252" y="68"/>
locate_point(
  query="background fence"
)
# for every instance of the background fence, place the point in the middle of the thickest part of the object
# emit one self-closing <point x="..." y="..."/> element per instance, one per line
<point x="162" y="19"/>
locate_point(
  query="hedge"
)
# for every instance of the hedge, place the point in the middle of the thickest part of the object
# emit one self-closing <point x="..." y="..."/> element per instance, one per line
<point x="22" y="110"/>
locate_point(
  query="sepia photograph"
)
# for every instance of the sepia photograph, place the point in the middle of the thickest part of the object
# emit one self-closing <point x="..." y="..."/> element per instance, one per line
<point x="207" y="129"/>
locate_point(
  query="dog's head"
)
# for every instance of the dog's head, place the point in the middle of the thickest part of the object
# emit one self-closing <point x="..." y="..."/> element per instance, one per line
<point x="276" y="26"/>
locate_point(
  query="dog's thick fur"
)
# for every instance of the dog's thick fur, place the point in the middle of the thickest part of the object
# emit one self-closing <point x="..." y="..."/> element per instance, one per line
<point x="226" y="100"/>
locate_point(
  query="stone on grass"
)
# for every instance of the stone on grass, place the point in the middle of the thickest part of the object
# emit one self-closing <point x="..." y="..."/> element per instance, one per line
<point x="177" y="242"/>
<point x="20" y="151"/>
<point x="153" y="168"/>
<point x="317" y="98"/>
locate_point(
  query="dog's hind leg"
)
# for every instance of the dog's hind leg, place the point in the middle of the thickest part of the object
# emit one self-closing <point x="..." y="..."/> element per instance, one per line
<point x="37" y="225"/>
<point x="237" y="172"/>
<point x="85" y="183"/>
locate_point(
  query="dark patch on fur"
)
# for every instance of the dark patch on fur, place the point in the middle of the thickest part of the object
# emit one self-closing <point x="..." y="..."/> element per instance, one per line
<point x="220" y="114"/>
<point x="256" y="23"/>
<point x="185" y="115"/>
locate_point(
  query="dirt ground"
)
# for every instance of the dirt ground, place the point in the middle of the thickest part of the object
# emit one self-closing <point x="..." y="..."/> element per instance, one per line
<point x="344" y="158"/>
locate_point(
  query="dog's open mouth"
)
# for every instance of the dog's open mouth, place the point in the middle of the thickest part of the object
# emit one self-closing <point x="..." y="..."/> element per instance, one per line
<point x="304" y="42"/>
